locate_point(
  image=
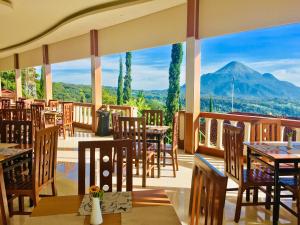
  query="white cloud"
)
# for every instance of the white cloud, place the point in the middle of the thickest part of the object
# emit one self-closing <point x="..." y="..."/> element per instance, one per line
<point x="283" y="69"/>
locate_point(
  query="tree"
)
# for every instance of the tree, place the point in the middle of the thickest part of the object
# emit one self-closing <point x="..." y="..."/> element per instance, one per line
<point x="41" y="91"/>
<point x="211" y="104"/>
<point x="127" y="78"/>
<point x="82" y="96"/>
<point x="172" y="102"/>
<point x="120" y="84"/>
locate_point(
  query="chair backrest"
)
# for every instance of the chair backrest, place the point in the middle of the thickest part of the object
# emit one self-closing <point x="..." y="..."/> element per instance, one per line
<point x="4" y="215"/>
<point x="105" y="150"/>
<point x="45" y="156"/>
<point x="19" y="132"/>
<point x="67" y="108"/>
<point x="40" y="101"/>
<point x="208" y="192"/>
<point x="134" y="128"/>
<point x="37" y="116"/>
<point x="233" y="152"/>
<point x="14" y="114"/>
<point x="20" y="104"/>
<point x="175" y="135"/>
<point x="53" y="104"/>
<point x="5" y="103"/>
<point x="115" y="124"/>
<point x="153" y="117"/>
<point x="265" y="130"/>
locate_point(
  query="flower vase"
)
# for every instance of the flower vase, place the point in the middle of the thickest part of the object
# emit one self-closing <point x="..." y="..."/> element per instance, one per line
<point x="290" y="145"/>
<point x="96" y="215"/>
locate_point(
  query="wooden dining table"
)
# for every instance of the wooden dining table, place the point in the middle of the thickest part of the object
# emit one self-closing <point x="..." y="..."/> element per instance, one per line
<point x="52" y="115"/>
<point x="17" y="151"/>
<point x="274" y="155"/>
<point x="156" y="134"/>
<point x="148" y="207"/>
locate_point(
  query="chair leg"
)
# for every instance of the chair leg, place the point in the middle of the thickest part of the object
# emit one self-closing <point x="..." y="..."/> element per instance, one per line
<point x="247" y="194"/>
<point x="35" y="198"/>
<point x="21" y="203"/>
<point x="54" y="189"/>
<point x="268" y="197"/>
<point x="255" y="195"/>
<point x="173" y="164"/>
<point x="238" y="205"/>
<point x="10" y="207"/>
<point x="152" y="165"/>
<point x="176" y="159"/>
<point x="64" y="132"/>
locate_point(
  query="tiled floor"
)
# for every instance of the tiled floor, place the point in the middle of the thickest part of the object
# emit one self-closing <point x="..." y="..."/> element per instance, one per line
<point x="178" y="189"/>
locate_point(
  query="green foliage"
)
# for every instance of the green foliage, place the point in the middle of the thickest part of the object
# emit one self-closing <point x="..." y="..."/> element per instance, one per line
<point x="41" y="88"/>
<point x="139" y="102"/>
<point x="127" y="78"/>
<point x="8" y="80"/>
<point x="172" y="102"/>
<point x="82" y="96"/>
<point x="120" y="84"/>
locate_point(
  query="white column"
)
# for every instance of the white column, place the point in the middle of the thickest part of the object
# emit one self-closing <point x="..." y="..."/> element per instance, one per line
<point x="207" y="131"/>
<point x="220" y="134"/>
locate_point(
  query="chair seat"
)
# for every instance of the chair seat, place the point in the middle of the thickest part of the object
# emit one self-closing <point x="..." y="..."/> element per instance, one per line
<point x="257" y="177"/>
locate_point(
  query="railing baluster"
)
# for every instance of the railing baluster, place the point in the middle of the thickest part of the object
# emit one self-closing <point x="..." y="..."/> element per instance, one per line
<point x="297" y="134"/>
<point x="220" y="134"/>
<point x="282" y="133"/>
<point x="84" y="115"/>
<point x="80" y="114"/>
<point x="207" y="131"/>
<point x="89" y="114"/>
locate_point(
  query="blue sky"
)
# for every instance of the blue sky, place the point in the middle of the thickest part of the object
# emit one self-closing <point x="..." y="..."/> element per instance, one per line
<point x="273" y="50"/>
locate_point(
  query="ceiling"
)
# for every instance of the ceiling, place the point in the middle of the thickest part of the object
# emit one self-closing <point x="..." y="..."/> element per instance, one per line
<point x="28" y="24"/>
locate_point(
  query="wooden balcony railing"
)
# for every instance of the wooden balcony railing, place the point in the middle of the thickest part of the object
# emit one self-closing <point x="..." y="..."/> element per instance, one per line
<point x="123" y="109"/>
<point x="211" y="129"/>
<point x="83" y="115"/>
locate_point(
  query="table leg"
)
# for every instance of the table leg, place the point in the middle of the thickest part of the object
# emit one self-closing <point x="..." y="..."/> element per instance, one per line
<point x="276" y="194"/>
<point x="158" y="156"/>
<point x="3" y="201"/>
<point x="248" y="169"/>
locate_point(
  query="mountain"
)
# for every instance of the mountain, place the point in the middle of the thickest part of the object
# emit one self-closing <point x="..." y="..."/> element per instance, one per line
<point x="248" y="83"/>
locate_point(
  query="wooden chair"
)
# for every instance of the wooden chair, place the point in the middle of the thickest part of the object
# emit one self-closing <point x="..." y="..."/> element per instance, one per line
<point x="20" y="105"/>
<point x="40" y="101"/>
<point x="4" y="214"/>
<point x="208" y="192"/>
<point x="53" y="104"/>
<point x="66" y="123"/>
<point x="14" y="114"/>
<point x="5" y="103"/>
<point x="37" y="116"/>
<point x="115" y="124"/>
<point x="19" y="132"/>
<point x="123" y="148"/>
<point x="234" y="168"/>
<point x="292" y="185"/>
<point x="172" y="149"/>
<point x="153" y="117"/>
<point x="134" y="128"/>
<point x="265" y="130"/>
<point x="43" y="171"/>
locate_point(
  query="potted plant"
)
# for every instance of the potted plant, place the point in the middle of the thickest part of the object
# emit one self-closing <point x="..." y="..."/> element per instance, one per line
<point x="96" y="195"/>
<point x="290" y="137"/>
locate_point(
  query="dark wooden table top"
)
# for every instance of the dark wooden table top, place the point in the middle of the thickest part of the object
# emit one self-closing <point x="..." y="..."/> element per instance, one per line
<point x="276" y="151"/>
